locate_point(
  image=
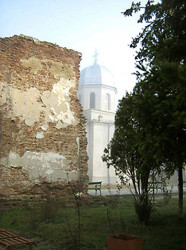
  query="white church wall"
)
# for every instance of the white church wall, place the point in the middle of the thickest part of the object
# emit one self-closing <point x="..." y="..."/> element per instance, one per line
<point x="86" y="92"/>
<point x="112" y="176"/>
<point x="100" y="138"/>
<point x="98" y="115"/>
<point x="100" y="94"/>
<point x="111" y="91"/>
<point x="103" y="132"/>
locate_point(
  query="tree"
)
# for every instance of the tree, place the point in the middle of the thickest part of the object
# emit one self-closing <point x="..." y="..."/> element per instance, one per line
<point x="123" y="154"/>
<point x="161" y="83"/>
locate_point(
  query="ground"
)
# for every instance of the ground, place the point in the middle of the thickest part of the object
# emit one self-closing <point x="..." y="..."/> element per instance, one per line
<point x="66" y="223"/>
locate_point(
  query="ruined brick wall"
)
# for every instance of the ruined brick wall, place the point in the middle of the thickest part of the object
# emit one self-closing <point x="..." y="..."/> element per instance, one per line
<point x="42" y="130"/>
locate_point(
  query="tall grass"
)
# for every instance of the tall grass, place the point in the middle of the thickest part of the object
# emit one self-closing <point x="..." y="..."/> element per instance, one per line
<point x="165" y="230"/>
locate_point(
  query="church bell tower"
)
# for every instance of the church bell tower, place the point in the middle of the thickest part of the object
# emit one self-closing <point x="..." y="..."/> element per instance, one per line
<point x="97" y="94"/>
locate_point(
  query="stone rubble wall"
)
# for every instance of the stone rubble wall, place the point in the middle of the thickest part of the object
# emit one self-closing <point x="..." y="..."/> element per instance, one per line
<point x="42" y="129"/>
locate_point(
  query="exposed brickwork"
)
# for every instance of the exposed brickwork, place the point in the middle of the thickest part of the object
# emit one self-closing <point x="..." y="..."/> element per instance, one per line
<point x="37" y="81"/>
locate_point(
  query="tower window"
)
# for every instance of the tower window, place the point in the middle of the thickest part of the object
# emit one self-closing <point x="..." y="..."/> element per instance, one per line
<point x="92" y="100"/>
<point x="107" y="102"/>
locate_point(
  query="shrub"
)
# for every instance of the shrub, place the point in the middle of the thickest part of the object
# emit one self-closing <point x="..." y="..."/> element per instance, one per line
<point x="143" y="208"/>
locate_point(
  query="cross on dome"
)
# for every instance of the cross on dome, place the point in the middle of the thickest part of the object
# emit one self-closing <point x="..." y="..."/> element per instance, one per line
<point x="95" y="56"/>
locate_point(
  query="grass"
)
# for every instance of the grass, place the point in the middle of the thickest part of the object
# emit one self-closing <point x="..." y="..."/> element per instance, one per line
<point x="58" y="228"/>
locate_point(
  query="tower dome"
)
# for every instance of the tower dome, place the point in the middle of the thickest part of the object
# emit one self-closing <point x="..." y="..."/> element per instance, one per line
<point x="96" y="90"/>
<point x="96" y="74"/>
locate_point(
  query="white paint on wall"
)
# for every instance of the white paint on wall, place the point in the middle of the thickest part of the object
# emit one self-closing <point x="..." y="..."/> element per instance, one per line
<point x="77" y="142"/>
<point x="39" y="135"/>
<point x="44" y="127"/>
<point x="28" y="104"/>
<point x="50" y="166"/>
<point x="25" y="105"/>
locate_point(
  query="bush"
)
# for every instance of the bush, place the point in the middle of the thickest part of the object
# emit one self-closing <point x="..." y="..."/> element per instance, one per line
<point x="49" y="208"/>
<point x="143" y="208"/>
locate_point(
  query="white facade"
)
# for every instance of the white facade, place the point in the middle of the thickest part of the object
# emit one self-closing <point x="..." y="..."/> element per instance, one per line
<point x="97" y="95"/>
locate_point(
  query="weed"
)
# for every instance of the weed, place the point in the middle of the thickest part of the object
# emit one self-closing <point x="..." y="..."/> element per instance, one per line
<point x="49" y="208"/>
<point x="164" y="231"/>
<point x="32" y="215"/>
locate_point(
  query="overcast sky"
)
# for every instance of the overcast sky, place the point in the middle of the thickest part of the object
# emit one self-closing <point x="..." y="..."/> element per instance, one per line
<point x="82" y="25"/>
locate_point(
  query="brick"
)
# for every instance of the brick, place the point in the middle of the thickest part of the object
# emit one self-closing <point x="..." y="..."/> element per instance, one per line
<point x="38" y="96"/>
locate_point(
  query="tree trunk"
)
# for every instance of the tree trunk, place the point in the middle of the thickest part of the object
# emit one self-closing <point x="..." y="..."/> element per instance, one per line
<point x="180" y="190"/>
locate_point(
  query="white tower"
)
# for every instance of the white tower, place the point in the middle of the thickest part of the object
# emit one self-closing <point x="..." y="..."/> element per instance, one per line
<point x="97" y="95"/>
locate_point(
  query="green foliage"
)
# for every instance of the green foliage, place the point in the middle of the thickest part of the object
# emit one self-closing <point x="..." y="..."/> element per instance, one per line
<point x="41" y="211"/>
<point x="163" y="37"/>
<point x="124" y="154"/>
<point x="161" y="84"/>
<point x="161" y="87"/>
<point x="143" y="208"/>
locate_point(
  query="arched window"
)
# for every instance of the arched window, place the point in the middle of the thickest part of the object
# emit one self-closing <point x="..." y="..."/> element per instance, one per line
<point x="92" y="100"/>
<point x="107" y="102"/>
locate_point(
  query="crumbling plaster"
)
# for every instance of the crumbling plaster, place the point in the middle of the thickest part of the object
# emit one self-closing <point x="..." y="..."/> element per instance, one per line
<point x="28" y="104"/>
<point x="51" y="166"/>
<point x="43" y="138"/>
<point x="57" y="69"/>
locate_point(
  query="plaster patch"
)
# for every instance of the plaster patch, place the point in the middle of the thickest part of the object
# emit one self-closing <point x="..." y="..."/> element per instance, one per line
<point x="39" y="135"/>
<point x="62" y="89"/>
<point x="51" y="166"/>
<point x="61" y="70"/>
<point x="4" y="92"/>
<point x="57" y="103"/>
<point x="49" y="171"/>
<point x="28" y="105"/>
<point x="51" y="118"/>
<point x="60" y="125"/>
<point x="25" y="105"/>
<point x="44" y="127"/>
<point x="34" y="64"/>
<point x="77" y="142"/>
<point x="57" y="69"/>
